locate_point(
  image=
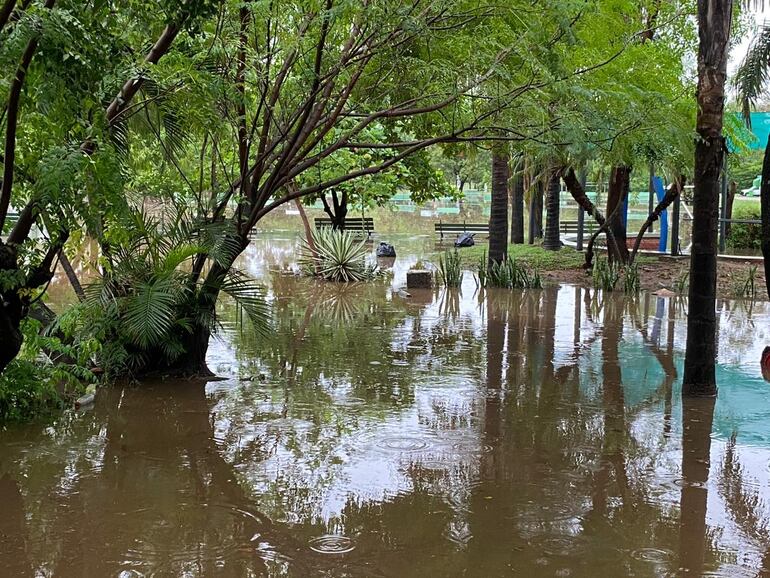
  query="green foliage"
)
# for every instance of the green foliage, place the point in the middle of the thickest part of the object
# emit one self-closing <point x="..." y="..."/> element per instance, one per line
<point x="45" y="375"/>
<point x="605" y="274"/>
<point x="631" y="280"/>
<point x="533" y="256"/>
<point x="146" y="308"/>
<point x="746" y="235"/>
<point x="744" y="167"/>
<point x="746" y="286"/>
<point x="338" y="256"/>
<point x="509" y="274"/>
<point x="682" y="283"/>
<point x="449" y="271"/>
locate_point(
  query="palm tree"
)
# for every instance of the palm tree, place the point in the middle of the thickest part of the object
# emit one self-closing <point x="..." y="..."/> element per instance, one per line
<point x="750" y="81"/>
<point x="517" y="205"/>
<point x="714" y="19"/>
<point x="551" y="240"/>
<point x="498" y="214"/>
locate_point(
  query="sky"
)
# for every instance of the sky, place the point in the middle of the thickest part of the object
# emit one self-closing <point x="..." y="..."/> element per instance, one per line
<point x="739" y="50"/>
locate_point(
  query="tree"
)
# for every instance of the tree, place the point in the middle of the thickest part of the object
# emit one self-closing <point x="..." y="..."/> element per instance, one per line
<point x="498" y="211"/>
<point x="714" y="20"/>
<point x="617" y="197"/>
<point x="418" y="72"/>
<point x="70" y="52"/>
<point x="517" y="204"/>
<point x="552" y="239"/>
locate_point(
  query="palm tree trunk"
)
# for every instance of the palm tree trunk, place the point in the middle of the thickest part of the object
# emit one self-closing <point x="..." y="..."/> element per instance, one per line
<point x="551" y="241"/>
<point x="517" y="208"/>
<point x="714" y="19"/>
<point x="536" y="211"/>
<point x="498" y="213"/>
<point x="616" y="197"/>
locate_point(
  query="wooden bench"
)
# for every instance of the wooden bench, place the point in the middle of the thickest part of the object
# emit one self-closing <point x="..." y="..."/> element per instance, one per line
<point x="568" y="227"/>
<point x="458" y="228"/>
<point x="364" y="225"/>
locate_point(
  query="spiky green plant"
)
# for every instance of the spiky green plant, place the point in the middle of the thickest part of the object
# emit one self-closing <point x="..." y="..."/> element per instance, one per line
<point x="482" y="272"/>
<point x="681" y="283"/>
<point x="338" y="256"/>
<point x="508" y="274"/>
<point x="631" y="279"/>
<point x="746" y="288"/>
<point x="449" y="271"/>
<point x="606" y="274"/>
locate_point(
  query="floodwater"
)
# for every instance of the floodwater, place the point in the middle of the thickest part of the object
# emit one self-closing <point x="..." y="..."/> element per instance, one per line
<point x="447" y="433"/>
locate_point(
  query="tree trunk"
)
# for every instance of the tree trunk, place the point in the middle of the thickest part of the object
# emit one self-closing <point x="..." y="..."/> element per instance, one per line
<point x="552" y="240"/>
<point x="498" y="213"/>
<point x="339" y="211"/>
<point x="616" y="198"/>
<point x="764" y="203"/>
<point x="671" y="195"/>
<point x="714" y="19"/>
<point x="517" y="209"/>
<point x="697" y="420"/>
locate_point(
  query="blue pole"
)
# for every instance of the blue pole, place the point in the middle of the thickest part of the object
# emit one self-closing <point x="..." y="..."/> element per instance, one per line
<point x="660" y="193"/>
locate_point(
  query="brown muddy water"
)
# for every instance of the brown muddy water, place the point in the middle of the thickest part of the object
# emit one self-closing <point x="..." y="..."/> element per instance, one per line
<point x="450" y="433"/>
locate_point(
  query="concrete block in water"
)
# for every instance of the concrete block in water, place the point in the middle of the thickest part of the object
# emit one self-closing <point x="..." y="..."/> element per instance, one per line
<point x="419" y="279"/>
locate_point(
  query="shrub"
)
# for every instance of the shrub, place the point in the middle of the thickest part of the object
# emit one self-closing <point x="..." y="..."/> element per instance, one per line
<point x="745" y="235"/>
<point x="44" y="375"/>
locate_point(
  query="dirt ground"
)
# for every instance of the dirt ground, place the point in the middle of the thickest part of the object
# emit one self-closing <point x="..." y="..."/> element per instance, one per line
<point x="657" y="273"/>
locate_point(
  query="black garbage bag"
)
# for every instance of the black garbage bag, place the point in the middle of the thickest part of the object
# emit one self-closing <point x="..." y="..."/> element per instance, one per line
<point x="465" y="240"/>
<point x="386" y="250"/>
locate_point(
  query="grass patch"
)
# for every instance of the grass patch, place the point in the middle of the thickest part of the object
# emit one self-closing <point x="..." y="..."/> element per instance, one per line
<point x="533" y="256"/>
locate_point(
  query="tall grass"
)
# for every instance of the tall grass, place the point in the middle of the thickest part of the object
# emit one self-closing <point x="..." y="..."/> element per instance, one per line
<point x="607" y="275"/>
<point x="508" y="274"/>
<point x="449" y="271"/>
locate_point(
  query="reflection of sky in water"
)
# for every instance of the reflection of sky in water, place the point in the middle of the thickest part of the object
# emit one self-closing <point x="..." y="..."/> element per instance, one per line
<point x="337" y="423"/>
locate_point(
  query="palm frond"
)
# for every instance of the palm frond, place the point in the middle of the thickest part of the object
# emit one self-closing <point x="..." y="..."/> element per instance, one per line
<point x="249" y="297"/>
<point x="150" y="313"/>
<point x="752" y="75"/>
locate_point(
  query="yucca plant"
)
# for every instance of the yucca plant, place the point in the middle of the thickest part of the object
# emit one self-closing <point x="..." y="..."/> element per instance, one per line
<point x="336" y="256"/>
<point x="449" y="271"/>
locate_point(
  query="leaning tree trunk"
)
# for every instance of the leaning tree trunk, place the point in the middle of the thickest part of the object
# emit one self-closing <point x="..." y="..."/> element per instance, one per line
<point x="517" y="208"/>
<point x="616" y="198"/>
<point x="764" y="203"/>
<point x="498" y="213"/>
<point x="552" y="241"/>
<point x="714" y="19"/>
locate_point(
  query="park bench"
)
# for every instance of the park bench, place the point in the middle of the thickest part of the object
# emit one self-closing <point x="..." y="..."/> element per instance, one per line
<point x="363" y="225"/>
<point x="571" y="227"/>
<point x="568" y="227"/>
<point x="458" y="228"/>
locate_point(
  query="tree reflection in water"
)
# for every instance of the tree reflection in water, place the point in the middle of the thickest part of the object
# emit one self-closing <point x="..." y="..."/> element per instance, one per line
<point x="479" y="434"/>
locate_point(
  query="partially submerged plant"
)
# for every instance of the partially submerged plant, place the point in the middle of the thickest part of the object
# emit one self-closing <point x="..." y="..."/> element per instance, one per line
<point x="449" y="271"/>
<point x="338" y="256"/>
<point x="682" y="283"/>
<point x="508" y="274"/>
<point x="631" y="281"/>
<point x="746" y="287"/>
<point x="605" y="274"/>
